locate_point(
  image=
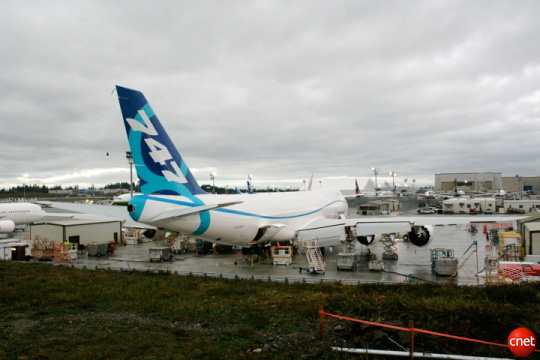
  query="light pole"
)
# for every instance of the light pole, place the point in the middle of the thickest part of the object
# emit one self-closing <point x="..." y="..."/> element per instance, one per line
<point x="213" y="178"/>
<point x="129" y="156"/>
<point x="393" y="175"/>
<point x="375" y="171"/>
<point x="520" y="188"/>
<point x="250" y="185"/>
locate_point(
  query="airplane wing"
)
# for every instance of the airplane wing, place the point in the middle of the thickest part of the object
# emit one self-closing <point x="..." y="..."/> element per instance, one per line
<point x="442" y="220"/>
<point x="178" y="213"/>
<point x="91" y="211"/>
<point x="332" y="232"/>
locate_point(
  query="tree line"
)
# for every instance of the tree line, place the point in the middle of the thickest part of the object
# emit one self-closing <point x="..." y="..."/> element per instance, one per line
<point x="43" y="189"/>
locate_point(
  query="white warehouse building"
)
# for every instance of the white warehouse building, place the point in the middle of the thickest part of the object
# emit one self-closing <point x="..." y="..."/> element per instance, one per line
<point x="463" y="205"/>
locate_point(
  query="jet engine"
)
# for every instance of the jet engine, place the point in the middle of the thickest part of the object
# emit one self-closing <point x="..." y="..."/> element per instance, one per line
<point x="7" y="226"/>
<point x="420" y="235"/>
<point x="366" y="240"/>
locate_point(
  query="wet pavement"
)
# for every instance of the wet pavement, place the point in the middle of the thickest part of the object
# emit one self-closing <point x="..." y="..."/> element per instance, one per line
<point x="413" y="263"/>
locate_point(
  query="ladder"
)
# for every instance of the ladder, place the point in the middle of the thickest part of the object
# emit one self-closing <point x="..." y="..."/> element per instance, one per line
<point x="314" y="256"/>
<point x="454" y="274"/>
<point x="350" y="240"/>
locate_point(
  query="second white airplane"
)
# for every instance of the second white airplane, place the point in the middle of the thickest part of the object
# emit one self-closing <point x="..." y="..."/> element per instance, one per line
<point x="12" y="214"/>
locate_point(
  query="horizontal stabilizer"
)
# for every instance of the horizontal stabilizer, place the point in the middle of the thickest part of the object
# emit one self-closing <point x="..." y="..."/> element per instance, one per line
<point x="178" y="213"/>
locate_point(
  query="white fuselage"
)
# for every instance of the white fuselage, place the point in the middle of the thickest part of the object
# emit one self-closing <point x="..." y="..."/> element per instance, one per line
<point x="258" y="218"/>
<point x="12" y="214"/>
<point x="21" y="213"/>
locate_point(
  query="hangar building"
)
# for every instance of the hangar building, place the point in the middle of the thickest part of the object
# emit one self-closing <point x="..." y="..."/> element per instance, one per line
<point x="483" y="181"/>
<point x="521" y="183"/>
<point x="82" y="232"/>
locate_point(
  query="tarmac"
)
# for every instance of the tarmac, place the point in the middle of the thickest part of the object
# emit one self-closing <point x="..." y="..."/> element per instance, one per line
<point x="412" y="266"/>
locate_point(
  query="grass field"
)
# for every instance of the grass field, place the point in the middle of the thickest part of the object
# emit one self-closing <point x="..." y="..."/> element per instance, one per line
<point x="54" y="312"/>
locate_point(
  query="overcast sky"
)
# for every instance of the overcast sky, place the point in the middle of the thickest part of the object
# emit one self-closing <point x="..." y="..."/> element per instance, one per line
<point x="277" y="89"/>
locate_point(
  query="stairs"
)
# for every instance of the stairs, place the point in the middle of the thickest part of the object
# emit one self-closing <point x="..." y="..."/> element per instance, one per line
<point x="454" y="274"/>
<point x="314" y="256"/>
<point x="350" y="240"/>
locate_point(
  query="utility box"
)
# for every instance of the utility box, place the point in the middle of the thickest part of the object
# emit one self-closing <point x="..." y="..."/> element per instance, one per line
<point x="179" y="246"/>
<point x="347" y="261"/>
<point x="446" y="266"/>
<point x="282" y="255"/>
<point x="376" y="265"/>
<point x="98" y="249"/>
<point x="160" y="253"/>
<point x="132" y="236"/>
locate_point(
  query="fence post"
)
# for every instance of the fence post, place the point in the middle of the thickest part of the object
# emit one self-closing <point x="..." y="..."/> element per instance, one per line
<point x="321" y="322"/>
<point x="411" y="339"/>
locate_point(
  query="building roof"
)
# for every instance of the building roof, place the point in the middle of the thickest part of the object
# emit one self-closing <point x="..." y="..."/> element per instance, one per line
<point x="75" y="222"/>
<point x="376" y="203"/>
<point x="532" y="226"/>
<point x="13" y="244"/>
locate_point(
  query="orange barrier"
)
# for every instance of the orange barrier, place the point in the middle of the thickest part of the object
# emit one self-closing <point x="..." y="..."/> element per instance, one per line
<point x="322" y="313"/>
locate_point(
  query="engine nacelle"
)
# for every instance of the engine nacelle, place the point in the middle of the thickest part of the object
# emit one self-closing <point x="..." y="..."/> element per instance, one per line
<point x="366" y="240"/>
<point x="149" y="233"/>
<point x="420" y="235"/>
<point x="7" y="226"/>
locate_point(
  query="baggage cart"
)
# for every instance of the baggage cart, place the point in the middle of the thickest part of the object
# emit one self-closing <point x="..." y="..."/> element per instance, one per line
<point x="98" y="249"/>
<point x="160" y="253"/>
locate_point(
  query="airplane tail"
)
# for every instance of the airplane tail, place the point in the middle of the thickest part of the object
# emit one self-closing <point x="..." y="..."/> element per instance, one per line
<point x="160" y="167"/>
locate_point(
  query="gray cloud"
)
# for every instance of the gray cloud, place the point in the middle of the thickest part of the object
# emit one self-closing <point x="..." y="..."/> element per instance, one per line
<point x="278" y="89"/>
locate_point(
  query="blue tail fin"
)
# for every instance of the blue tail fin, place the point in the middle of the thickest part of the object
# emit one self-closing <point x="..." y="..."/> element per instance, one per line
<point x="160" y="167"/>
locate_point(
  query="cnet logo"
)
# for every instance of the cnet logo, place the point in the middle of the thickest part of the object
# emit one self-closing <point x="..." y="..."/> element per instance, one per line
<point x="522" y="342"/>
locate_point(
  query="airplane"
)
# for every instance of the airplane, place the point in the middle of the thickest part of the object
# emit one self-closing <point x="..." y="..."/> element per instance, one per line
<point x="443" y="196"/>
<point x="123" y="199"/>
<point x="81" y="211"/>
<point x="12" y="214"/>
<point x="172" y="199"/>
<point x="23" y="213"/>
<point x="357" y="192"/>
